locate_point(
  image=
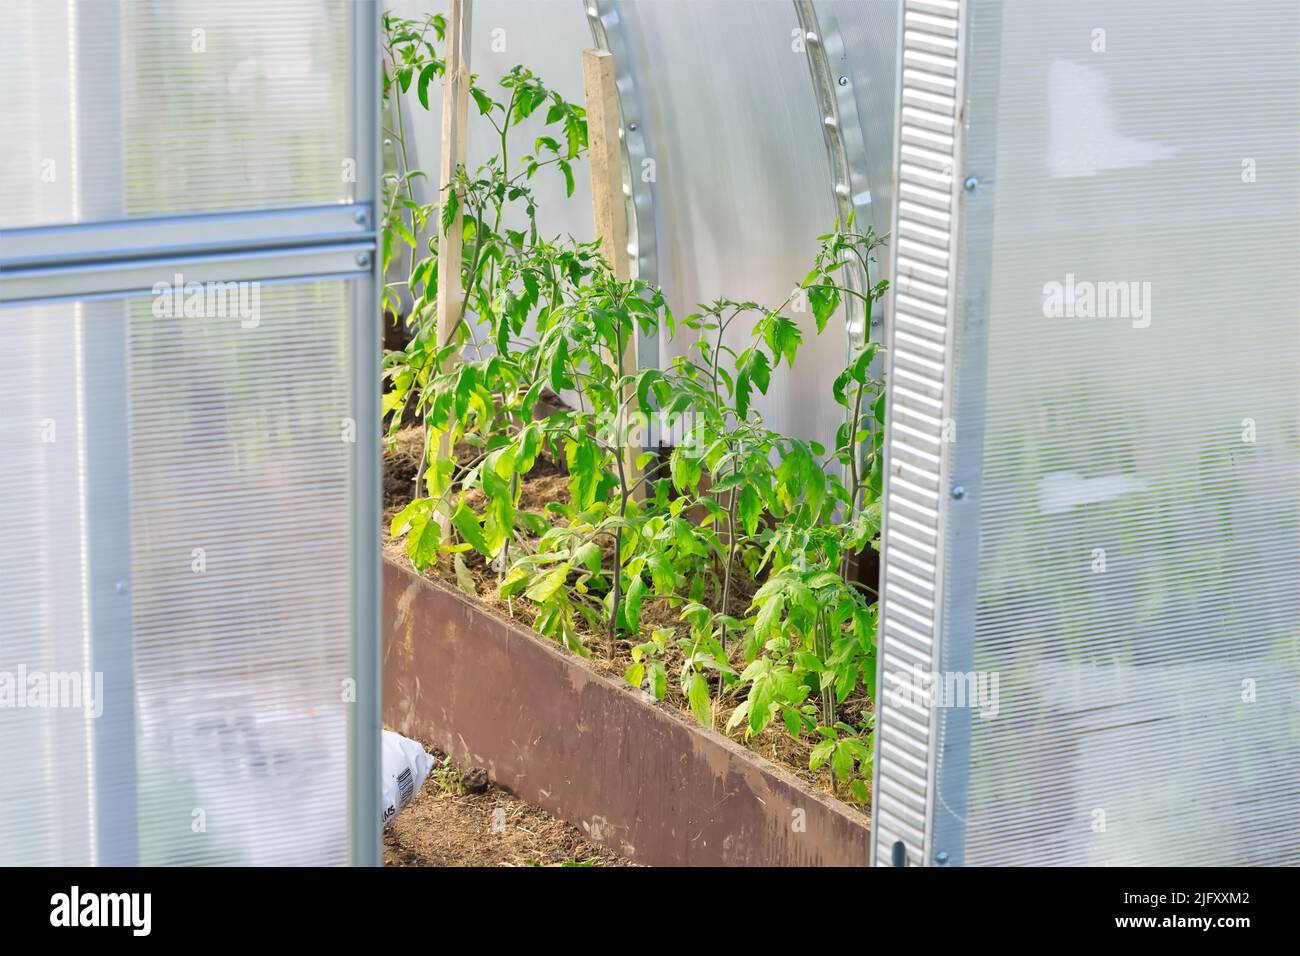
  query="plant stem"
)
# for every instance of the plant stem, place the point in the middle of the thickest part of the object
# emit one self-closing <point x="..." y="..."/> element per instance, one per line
<point x="618" y="588"/>
<point x="731" y="561"/>
<point x="821" y="645"/>
<point x="624" y="493"/>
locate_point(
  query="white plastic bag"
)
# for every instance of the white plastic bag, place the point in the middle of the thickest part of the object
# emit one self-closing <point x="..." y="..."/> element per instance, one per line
<point x="405" y="768"/>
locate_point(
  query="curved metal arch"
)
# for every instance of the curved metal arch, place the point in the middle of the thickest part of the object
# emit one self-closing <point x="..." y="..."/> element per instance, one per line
<point x="845" y="143"/>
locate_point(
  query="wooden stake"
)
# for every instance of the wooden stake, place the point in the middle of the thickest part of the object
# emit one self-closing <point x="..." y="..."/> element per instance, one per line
<point x="606" y="158"/>
<point x="455" y="122"/>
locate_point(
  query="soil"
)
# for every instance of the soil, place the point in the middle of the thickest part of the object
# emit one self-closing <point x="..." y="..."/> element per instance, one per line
<point x="448" y="825"/>
<point x="548" y="483"/>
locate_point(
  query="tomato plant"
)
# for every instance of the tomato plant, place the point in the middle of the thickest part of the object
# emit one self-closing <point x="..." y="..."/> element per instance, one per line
<point x="730" y="565"/>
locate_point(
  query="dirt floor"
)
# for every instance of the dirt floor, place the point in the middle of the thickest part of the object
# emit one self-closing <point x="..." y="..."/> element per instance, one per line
<point x="447" y="824"/>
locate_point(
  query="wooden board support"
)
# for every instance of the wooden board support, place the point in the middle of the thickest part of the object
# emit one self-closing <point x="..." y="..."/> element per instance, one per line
<point x="605" y="155"/>
<point x="455" y="128"/>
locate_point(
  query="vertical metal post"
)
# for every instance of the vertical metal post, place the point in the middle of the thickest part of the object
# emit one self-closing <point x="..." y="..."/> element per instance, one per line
<point x="102" y="355"/>
<point x="365" y="334"/>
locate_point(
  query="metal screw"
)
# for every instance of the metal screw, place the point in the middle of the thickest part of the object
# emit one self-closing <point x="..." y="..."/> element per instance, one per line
<point x="971" y="183"/>
<point x="631" y="127"/>
<point x="844" y="81"/>
<point x="360" y="216"/>
<point x="941" y="858"/>
<point x="958" y="492"/>
<point x="363" y="258"/>
<point x="387" y="143"/>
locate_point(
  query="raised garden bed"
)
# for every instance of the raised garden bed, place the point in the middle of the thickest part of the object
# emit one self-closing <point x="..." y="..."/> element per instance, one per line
<point x="633" y="775"/>
<point x="620" y="559"/>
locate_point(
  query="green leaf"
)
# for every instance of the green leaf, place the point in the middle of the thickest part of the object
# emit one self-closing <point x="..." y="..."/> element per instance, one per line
<point x="405" y="519"/>
<point x="685" y="470"/>
<point x="527" y="99"/>
<point x="820" y="754"/>
<point x="559" y="366"/>
<point x="529" y="442"/>
<point x="398" y="225"/>
<point x="662" y="573"/>
<point x="861" y="367"/>
<point x="499" y="521"/>
<point x="783" y="338"/>
<point x="589" y="555"/>
<point x="632" y="603"/>
<point x="644" y="382"/>
<point x="752" y="368"/>
<point x="808" y="661"/>
<point x="846" y="678"/>
<point x="698" y="616"/>
<point x="450" y="205"/>
<point x="464" y="579"/>
<point x="658" y="679"/>
<point x="484" y="101"/>
<point x="424" y="541"/>
<point x="466" y="523"/>
<point x="824" y="299"/>
<point x="823" y="579"/>
<point x="545" y="589"/>
<point x="422" y="86"/>
<point x="502" y="463"/>
<point x="770" y="616"/>
<point x="514" y="582"/>
<point x="698" y="695"/>
<point x="738" y="715"/>
<point x="762" y="701"/>
<point x="635" y="675"/>
<point x="842" y="760"/>
<point x="575" y="131"/>
<point x="583" y="459"/>
<point x="749" y="506"/>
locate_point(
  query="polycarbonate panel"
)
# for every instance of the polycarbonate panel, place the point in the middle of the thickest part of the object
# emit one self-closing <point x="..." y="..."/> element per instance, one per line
<point x="548" y="37"/>
<point x="240" y="451"/>
<point x="116" y="109"/>
<point x="861" y="41"/>
<point x="1120" y="522"/>
<point x="742" y="181"/>
<point x="44" y="606"/>
<point x="237" y="572"/>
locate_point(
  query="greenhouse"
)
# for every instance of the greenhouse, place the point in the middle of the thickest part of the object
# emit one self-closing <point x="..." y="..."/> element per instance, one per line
<point x="650" y="433"/>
